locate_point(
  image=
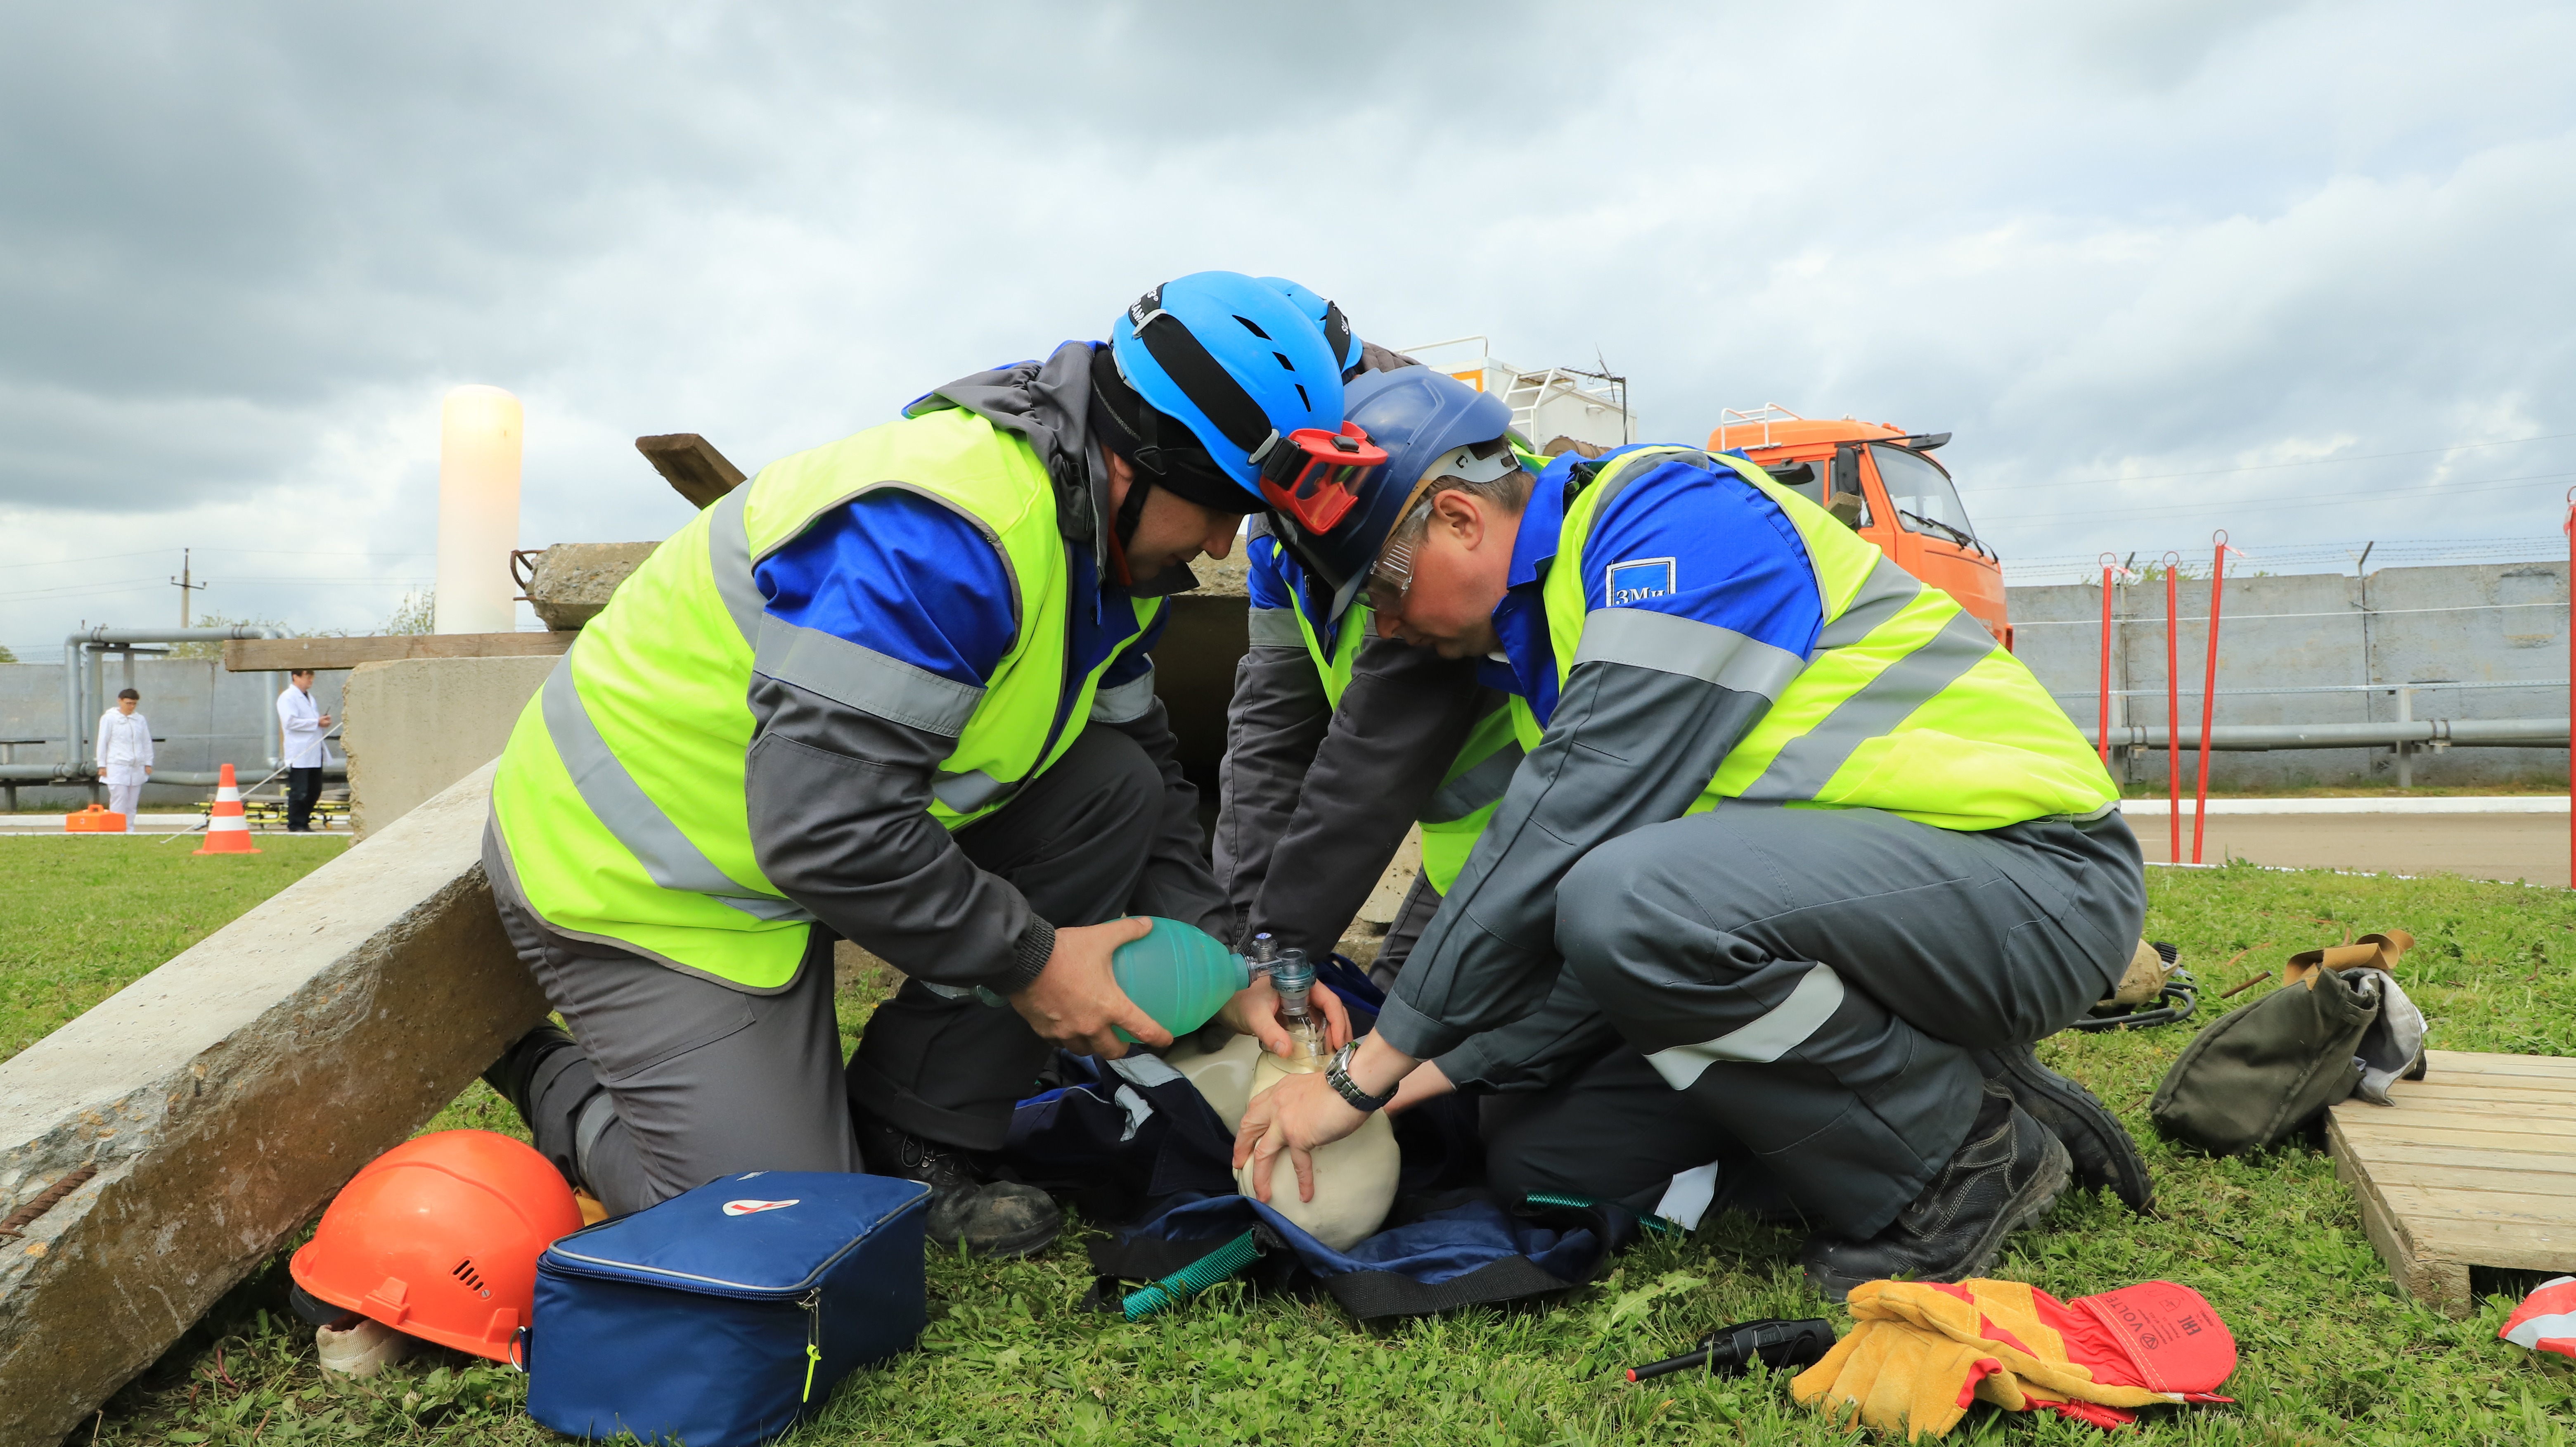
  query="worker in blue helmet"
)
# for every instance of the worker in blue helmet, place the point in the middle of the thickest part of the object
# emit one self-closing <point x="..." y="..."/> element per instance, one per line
<point x="1338" y="740"/>
<point x="898" y="690"/>
<point x="1798" y="866"/>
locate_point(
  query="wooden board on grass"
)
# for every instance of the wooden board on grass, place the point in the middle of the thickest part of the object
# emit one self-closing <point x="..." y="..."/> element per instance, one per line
<point x="2475" y="1165"/>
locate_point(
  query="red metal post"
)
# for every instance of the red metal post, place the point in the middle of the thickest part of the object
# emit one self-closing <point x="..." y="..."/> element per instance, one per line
<point x="2208" y="694"/>
<point x="2102" y="736"/>
<point x="2173" y="707"/>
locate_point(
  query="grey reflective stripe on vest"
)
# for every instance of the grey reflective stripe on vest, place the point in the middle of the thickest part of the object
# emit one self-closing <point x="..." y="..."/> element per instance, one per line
<point x="1783" y="1028"/>
<point x="1802" y="767"/>
<point x="630" y="814"/>
<point x="1640" y="638"/>
<point x="863" y="678"/>
<point x="1127" y="702"/>
<point x="1276" y="628"/>
<point x="1882" y="595"/>
<point x="970" y="791"/>
<point x="729" y="558"/>
<point x="1484" y="784"/>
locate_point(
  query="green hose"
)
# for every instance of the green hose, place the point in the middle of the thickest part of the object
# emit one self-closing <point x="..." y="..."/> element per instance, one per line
<point x="1656" y="1224"/>
<point x="1192" y="1279"/>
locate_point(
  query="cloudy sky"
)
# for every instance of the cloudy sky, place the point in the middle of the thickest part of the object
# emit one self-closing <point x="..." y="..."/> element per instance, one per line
<point x="2300" y="271"/>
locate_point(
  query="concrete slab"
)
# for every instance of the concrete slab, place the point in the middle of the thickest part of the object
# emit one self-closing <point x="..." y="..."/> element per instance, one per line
<point x="419" y="725"/>
<point x="224" y="1097"/>
<point x="572" y="581"/>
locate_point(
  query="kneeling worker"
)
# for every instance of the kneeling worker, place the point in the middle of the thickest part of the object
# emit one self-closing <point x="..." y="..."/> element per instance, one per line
<point x="1791" y="821"/>
<point x="895" y="690"/>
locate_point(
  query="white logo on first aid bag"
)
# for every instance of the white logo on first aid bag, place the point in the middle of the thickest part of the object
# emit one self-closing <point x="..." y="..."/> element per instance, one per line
<point x="753" y="1208"/>
<point x="1637" y="579"/>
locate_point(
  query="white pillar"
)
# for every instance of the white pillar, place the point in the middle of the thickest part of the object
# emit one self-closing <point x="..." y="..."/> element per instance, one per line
<point x="478" y="510"/>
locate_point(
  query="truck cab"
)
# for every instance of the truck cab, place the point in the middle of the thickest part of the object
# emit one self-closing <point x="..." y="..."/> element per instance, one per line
<point x="1883" y="483"/>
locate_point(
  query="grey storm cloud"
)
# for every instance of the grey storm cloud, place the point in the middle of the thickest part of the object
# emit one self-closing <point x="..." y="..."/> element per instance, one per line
<point x="244" y="249"/>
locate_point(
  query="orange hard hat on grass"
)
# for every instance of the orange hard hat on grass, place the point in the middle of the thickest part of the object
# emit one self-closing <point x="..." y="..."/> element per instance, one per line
<point x="438" y="1238"/>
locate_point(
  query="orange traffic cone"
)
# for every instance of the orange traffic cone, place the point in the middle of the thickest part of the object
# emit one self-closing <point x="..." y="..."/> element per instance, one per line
<point x="227" y="832"/>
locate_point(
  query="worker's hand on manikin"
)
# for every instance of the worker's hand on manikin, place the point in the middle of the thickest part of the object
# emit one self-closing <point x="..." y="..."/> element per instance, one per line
<point x="1303" y="1113"/>
<point x="1075" y="1001"/>
<point x="1254" y="1011"/>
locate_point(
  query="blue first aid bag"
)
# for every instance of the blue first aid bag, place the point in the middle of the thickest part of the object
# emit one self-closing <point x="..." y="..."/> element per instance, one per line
<point x="722" y="1316"/>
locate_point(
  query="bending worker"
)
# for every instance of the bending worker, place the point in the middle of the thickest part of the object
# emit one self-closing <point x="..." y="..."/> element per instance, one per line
<point x="1337" y="739"/>
<point x="896" y="690"/>
<point x="1810" y="842"/>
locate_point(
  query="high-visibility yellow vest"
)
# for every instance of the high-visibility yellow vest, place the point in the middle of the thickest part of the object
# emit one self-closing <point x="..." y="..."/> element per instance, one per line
<point x="1476" y="778"/>
<point x="1906" y="703"/>
<point x="621" y="794"/>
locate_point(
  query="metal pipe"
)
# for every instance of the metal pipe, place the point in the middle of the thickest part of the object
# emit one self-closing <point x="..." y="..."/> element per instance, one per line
<point x="2492" y="733"/>
<point x="76" y="656"/>
<point x="55" y="775"/>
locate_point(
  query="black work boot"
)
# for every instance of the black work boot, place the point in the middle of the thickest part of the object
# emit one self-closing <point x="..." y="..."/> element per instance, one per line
<point x="513" y="1077"/>
<point x="989" y="1217"/>
<point x="2105" y="1157"/>
<point x="2008" y="1174"/>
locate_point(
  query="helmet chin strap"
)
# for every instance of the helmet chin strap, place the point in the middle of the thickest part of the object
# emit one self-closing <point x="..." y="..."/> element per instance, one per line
<point x="1122" y="530"/>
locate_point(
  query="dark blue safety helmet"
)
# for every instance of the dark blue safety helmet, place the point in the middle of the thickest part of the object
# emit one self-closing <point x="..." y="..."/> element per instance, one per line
<point x="1237" y="364"/>
<point x="1421" y="418"/>
<point x="1328" y="319"/>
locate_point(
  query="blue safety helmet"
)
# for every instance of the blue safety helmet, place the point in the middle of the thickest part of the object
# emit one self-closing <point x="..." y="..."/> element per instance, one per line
<point x="1420" y="416"/>
<point x="1328" y="319"/>
<point x="1236" y="364"/>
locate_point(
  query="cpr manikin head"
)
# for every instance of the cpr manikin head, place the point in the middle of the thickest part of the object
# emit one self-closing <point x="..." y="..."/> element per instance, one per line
<point x="1445" y="566"/>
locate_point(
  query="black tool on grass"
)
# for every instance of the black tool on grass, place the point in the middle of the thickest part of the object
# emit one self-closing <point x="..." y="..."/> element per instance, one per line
<point x="1731" y="1349"/>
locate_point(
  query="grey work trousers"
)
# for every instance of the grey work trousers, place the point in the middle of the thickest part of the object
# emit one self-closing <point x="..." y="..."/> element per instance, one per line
<point x="680" y="1079"/>
<point x="1812" y="983"/>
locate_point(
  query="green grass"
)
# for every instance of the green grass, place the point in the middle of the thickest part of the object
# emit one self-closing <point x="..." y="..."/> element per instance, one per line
<point x="2330" y="1352"/>
<point x="81" y="918"/>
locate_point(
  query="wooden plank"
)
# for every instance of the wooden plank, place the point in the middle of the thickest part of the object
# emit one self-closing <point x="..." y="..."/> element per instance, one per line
<point x="2497" y="1142"/>
<point x="2488" y="1181"/>
<point x="2465" y="1106"/>
<point x="2547" y="1213"/>
<point x="2469" y="1062"/>
<point x="691" y="465"/>
<point x="2507" y="1244"/>
<point x="2442" y="1154"/>
<point x="2515" y="1090"/>
<point x="265" y="655"/>
<point x="2547" y="1122"/>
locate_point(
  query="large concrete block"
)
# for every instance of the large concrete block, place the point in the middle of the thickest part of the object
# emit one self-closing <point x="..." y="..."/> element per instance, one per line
<point x="572" y="581"/>
<point x="224" y="1097"/>
<point x="421" y="724"/>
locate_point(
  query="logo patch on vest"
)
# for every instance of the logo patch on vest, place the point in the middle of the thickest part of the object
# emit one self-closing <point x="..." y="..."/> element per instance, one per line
<point x="1638" y="579"/>
<point x="753" y="1208"/>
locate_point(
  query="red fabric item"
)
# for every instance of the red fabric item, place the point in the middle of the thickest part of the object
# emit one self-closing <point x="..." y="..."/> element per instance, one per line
<point x="2546" y="1320"/>
<point x="2168" y="1335"/>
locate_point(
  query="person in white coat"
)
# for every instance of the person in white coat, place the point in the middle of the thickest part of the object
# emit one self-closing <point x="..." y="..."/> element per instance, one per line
<point x="303" y="724"/>
<point x="125" y="753"/>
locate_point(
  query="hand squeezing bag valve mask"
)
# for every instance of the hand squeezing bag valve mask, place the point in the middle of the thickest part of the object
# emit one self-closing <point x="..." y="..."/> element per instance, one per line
<point x="1354" y="1177"/>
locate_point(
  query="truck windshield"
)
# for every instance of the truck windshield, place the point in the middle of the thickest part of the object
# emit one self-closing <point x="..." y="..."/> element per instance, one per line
<point x="1921" y="493"/>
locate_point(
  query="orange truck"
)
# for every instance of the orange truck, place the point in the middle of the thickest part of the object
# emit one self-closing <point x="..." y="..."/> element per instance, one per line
<point x="1881" y="481"/>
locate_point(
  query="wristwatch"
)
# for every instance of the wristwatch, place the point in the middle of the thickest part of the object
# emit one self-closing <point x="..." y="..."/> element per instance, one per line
<point x="1338" y="1076"/>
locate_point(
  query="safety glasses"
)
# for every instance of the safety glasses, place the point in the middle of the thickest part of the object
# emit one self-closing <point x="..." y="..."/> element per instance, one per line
<point x="1391" y="576"/>
<point x="1314" y="476"/>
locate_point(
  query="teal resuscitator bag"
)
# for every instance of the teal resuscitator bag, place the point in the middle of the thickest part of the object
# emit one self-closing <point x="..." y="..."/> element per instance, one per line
<point x="723" y="1316"/>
